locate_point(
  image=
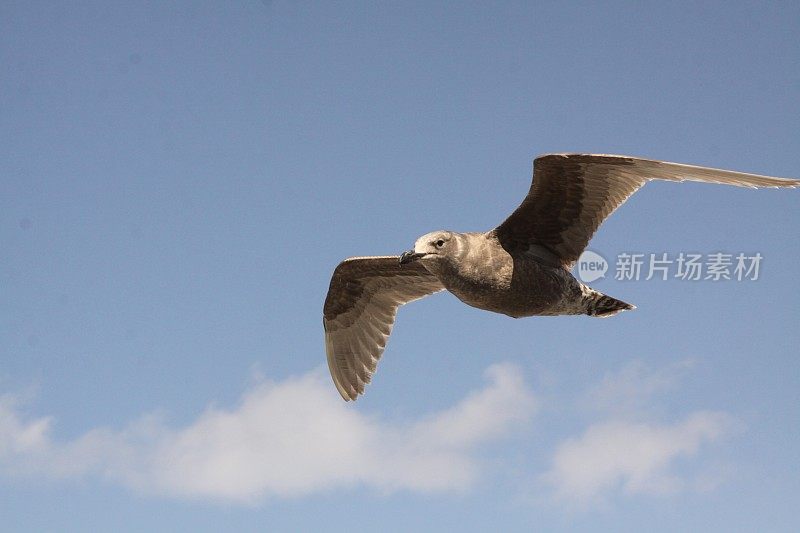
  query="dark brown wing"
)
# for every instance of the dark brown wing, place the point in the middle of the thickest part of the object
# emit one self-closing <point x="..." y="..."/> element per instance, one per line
<point x="572" y="194"/>
<point x="359" y="312"/>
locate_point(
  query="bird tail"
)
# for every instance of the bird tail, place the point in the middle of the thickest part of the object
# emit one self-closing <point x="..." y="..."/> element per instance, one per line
<point x="601" y="305"/>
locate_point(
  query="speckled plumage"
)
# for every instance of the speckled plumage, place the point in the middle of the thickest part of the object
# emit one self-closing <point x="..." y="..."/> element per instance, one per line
<point x="521" y="268"/>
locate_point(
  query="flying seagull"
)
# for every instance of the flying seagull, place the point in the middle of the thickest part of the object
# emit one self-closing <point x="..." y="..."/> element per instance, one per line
<point x="521" y="268"/>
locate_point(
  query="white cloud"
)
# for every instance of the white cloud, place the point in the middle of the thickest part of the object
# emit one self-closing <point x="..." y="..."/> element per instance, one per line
<point x="626" y="450"/>
<point x="633" y="457"/>
<point x="284" y="439"/>
<point x="629" y="390"/>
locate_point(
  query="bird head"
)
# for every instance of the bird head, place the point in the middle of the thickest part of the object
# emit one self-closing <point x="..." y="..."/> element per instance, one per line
<point x="429" y="248"/>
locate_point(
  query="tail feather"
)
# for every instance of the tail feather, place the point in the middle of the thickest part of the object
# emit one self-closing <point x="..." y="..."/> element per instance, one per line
<point x="601" y="305"/>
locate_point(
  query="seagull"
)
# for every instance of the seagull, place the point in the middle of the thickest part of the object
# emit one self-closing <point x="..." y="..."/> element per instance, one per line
<point x="521" y="268"/>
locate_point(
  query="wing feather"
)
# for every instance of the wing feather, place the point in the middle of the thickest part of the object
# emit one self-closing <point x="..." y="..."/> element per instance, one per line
<point x="359" y="312"/>
<point x="572" y="194"/>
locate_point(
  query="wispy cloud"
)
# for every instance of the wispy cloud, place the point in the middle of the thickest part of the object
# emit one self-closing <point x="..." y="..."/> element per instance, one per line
<point x="626" y="451"/>
<point x="284" y="439"/>
<point x="630" y="390"/>
<point x="633" y="457"/>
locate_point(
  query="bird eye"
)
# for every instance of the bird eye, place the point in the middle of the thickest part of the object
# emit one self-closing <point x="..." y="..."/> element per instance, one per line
<point x="439" y="243"/>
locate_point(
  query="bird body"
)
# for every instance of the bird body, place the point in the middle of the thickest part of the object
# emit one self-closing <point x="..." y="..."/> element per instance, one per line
<point x="483" y="274"/>
<point x="520" y="269"/>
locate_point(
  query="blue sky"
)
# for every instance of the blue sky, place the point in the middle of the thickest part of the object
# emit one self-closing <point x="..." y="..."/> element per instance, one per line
<point x="178" y="181"/>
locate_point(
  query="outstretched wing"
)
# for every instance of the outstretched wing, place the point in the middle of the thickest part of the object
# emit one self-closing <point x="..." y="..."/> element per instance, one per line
<point x="359" y="312"/>
<point x="572" y="194"/>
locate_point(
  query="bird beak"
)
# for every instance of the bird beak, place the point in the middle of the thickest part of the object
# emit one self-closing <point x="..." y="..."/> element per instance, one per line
<point x="410" y="255"/>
